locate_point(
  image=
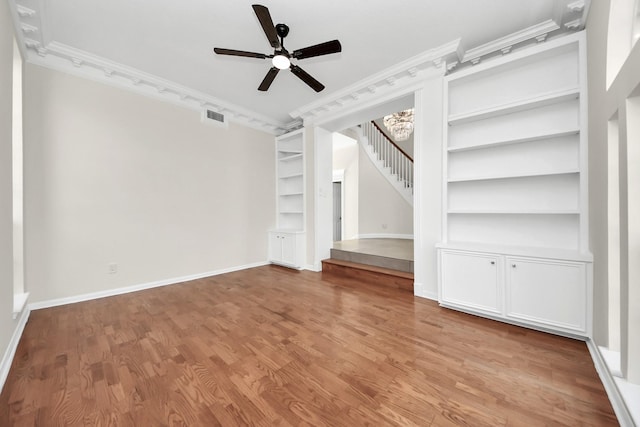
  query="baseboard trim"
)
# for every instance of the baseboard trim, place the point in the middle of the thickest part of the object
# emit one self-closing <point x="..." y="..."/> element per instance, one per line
<point x="125" y="290"/>
<point x="7" y="358"/>
<point x="313" y="267"/>
<point x="617" y="401"/>
<point x="420" y="291"/>
<point x="385" y="236"/>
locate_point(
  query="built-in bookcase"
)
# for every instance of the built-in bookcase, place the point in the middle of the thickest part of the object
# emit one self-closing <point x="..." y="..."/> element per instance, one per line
<point x="513" y="155"/>
<point x="515" y="227"/>
<point x="290" y="177"/>
<point x="287" y="241"/>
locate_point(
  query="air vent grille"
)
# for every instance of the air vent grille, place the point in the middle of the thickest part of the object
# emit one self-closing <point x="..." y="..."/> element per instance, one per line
<point x="212" y="115"/>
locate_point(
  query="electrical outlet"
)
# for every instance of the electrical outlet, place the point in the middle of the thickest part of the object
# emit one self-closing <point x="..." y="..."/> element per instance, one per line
<point x="112" y="268"/>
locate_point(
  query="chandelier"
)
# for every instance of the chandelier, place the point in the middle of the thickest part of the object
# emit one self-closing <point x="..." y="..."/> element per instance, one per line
<point x="400" y="124"/>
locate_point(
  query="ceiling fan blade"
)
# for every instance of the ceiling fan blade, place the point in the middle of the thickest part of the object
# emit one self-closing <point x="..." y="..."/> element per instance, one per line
<point x="325" y="48"/>
<point x="267" y="24"/>
<point x="221" y="51"/>
<point x="268" y="79"/>
<point x="306" y="77"/>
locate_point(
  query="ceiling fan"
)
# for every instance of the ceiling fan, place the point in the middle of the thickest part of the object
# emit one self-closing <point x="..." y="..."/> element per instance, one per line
<point x="281" y="58"/>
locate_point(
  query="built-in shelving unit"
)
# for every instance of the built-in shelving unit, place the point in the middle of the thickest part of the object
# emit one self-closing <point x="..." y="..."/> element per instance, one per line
<point x="515" y="182"/>
<point x="286" y="241"/>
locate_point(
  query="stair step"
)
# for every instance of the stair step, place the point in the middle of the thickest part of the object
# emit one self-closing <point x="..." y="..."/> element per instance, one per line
<point x="369" y="274"/>
<point x="387" y="262"/>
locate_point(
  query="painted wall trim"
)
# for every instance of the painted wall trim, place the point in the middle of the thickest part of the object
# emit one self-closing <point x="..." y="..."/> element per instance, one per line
<point x="127" y="289"/>
<point x="615" y="397"/>
<point x="9" y="354"/>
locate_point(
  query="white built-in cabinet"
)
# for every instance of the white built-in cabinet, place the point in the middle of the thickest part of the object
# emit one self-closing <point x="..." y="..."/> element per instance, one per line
<point x="515" y="226"/>
<point x="286" y="248"/>
<point x="544" y="293"/>
<point x="287" y="240"/>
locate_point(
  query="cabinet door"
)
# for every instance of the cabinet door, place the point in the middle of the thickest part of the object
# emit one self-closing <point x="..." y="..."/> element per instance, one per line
<point x="288" y="248"/>
<point x="552" y="293"/>
<point x="471" y="280"/>
<point x="275" y="247"/>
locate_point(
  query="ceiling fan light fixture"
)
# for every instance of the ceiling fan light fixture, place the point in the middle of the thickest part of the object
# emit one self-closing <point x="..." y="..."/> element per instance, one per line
<point x="281" y="62"/>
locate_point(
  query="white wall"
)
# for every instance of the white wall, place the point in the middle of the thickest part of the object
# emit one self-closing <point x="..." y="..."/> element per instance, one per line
<point x="598" y="152"/>
<point x="381" y="209"/>
<point x="7" y="324"/>
<point x="427" y="200"/>
<point x="323" y="176"/>
<point x="114" y="177"/>
<point x="347" y="159"/>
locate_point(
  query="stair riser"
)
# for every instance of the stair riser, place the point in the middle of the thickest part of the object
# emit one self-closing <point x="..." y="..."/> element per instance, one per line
<point x="367" y="277"/>
<point x="376" y="260"/>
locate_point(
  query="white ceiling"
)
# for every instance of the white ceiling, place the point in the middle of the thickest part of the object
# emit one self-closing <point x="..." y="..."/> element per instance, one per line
<point x="172" y="41"/>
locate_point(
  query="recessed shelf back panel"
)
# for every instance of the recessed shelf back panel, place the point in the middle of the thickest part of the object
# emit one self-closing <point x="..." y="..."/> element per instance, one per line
<point x="290" y="185"/>
<point x="538" y="231"/>
<point x="291" y="203"/>
<point x="556" y="118"/>
<point x="289" y="168"/>
<point x="519" y="80"/>
<point x="551" y="193"/>
<point x="290" y="144"/>
<point x="553" y="155"/>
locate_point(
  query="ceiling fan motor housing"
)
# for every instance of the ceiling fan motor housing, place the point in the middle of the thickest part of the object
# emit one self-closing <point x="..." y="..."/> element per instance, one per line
<point x="282" y="30"/>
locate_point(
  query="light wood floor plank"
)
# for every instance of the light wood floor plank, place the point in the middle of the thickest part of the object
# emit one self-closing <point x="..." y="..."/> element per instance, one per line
<point x="276" y="347"/>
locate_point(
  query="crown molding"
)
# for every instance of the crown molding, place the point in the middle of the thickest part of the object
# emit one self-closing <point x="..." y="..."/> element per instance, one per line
<point x="31" y="40"/>
<point x="504" y="44"/>
<point x="405" y="73"/>
<point x="83" y="64"/>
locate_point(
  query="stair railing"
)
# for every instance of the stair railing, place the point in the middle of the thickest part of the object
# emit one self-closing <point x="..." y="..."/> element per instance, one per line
<point x="392" y="156"/>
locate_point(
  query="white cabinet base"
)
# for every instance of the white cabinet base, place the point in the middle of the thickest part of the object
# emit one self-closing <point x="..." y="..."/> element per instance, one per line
<point x="287" y="248"/>
<point x="546" y="294"/>
<point x="472" y="281"/>
<point x="549" y="293"/>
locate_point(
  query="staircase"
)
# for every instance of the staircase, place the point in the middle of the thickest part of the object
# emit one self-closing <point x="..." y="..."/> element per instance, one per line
<point x="363" y="268"/>
<point x="392" y="162"/>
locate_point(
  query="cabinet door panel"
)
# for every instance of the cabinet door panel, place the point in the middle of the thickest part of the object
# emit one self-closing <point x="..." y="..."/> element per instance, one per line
<point x="552" y="293"/>
<point x="471" y="280"/>
<point x="289" y="249"/>
<point x="275" y="247"/>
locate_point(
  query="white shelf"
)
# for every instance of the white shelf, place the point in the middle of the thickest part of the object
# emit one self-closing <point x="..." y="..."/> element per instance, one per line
<point x="291" y="194"/>
<point x="513" y="107"/>
<point x="513" y="212"/>
<point x="548" y="253"/>
<point x="533" y="138"/>
<point x="292" y="175"/>
<point x="286" y="230"/>
<point x="512" y="176"/>
<point x="297" y="155"/>
<point x="286" y="212"/>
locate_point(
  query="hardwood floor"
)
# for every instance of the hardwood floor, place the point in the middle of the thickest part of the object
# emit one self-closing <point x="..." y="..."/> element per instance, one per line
<point x="276" y="347"/>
